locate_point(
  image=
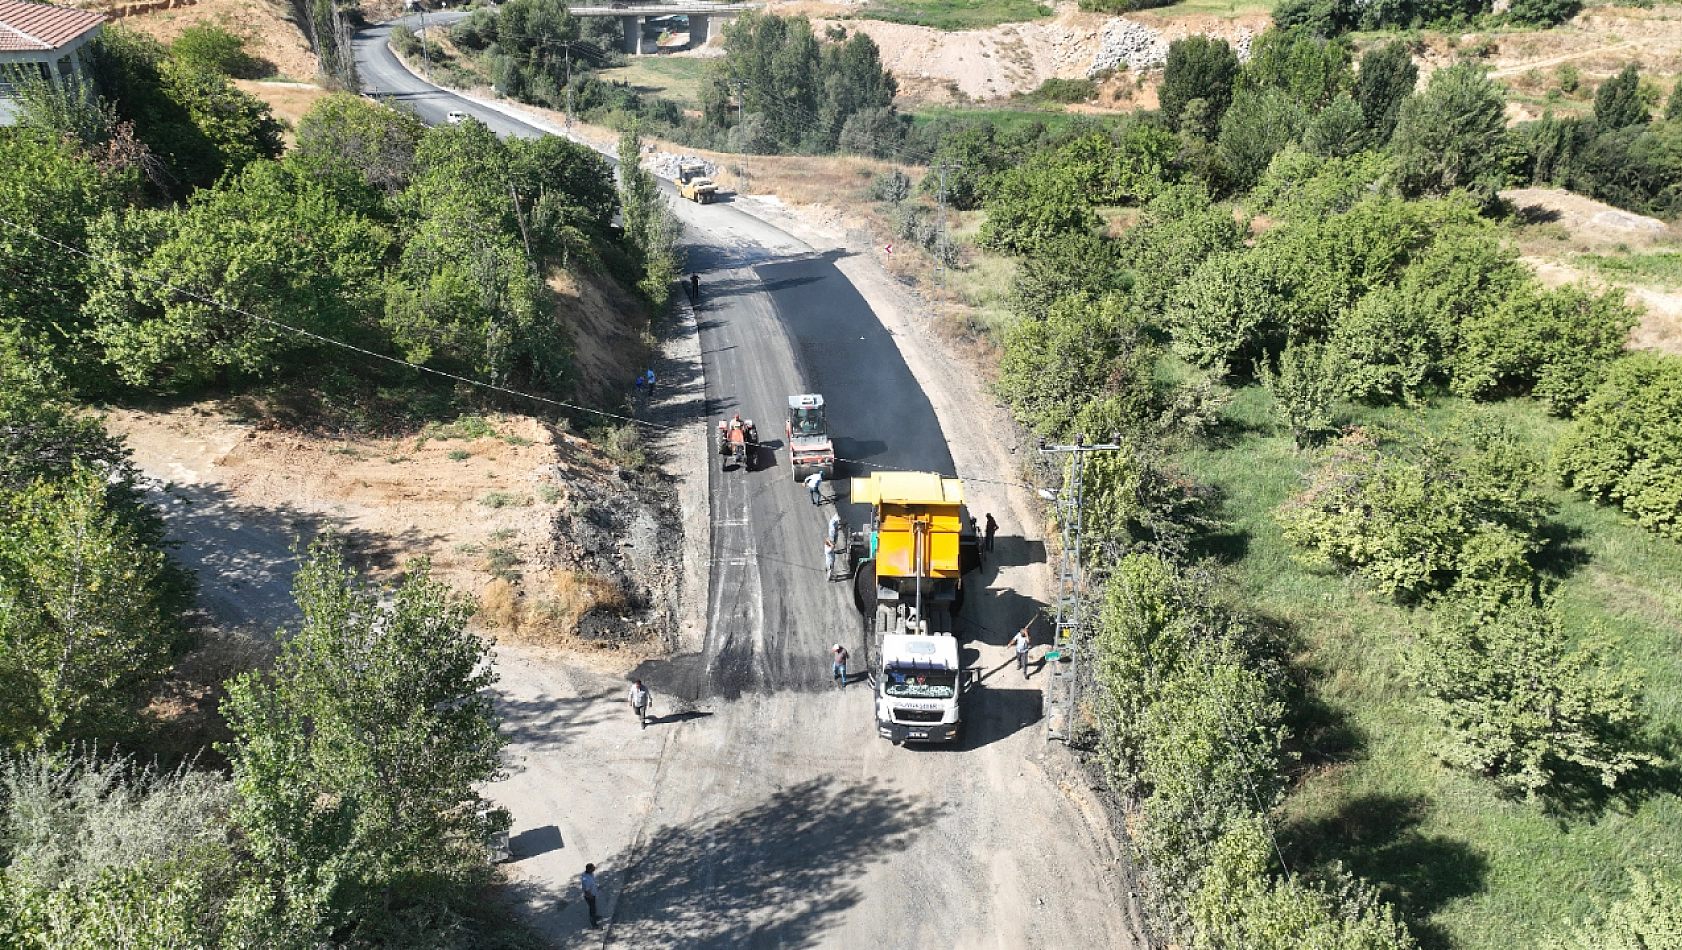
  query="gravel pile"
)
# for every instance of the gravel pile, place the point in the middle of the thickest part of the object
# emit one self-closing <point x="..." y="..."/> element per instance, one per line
<point x="1123" y="44"/>
<point x="665" y="164"/>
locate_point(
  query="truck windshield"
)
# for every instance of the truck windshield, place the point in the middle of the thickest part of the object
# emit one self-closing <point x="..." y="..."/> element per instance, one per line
<point x="808" y="421"/>
<point x="920" y="684"/>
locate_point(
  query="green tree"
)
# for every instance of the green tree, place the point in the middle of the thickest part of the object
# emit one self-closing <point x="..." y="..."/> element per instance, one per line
<point x="1618" y="103"/>
<point x="1081" y="354"/>
<point x="1177" y="232"/>
<point x="1228" y="312"/>
<point x="649" y="222"/>
<point x="1259" y="125"/>
<point x="268" y="244"/>
<point x="87" y="616"/>
<point x="1523" y="708"/>
<point x="357" y="759"/>
<point x="1312" y="70"/>
<point x="1338" y="131"/>
<point x="1623" y="447"/>
<point x="1448" y="137"/>
<point x="1673" y="104"/>
<point x="1387" y="345"/>
<point x="1543" y="12"/>
<point x="1033" y="205"/>
<point x="1649" y="917"/>
<point x="346" y="135"/>
<point x="1198" y="67"/>
<point x="1386" y="79"/>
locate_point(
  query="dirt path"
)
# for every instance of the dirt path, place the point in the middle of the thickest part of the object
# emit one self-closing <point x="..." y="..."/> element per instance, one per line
<point x="1568" y="57"/>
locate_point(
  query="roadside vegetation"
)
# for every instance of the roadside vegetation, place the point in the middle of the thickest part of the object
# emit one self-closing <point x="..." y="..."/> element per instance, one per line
<point x="956" y="14"/>
<point x="158" y="244"/>
<point x="1382" y="655"/>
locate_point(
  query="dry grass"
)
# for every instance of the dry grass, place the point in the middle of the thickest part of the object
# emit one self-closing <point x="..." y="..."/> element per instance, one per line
<point x="550" y="617"/>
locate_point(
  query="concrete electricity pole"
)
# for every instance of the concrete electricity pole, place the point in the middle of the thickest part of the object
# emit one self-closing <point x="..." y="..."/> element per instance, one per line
<point x="742" y="127"/>
<point x="426" y="54"/>
<point x="1062" y="690"/>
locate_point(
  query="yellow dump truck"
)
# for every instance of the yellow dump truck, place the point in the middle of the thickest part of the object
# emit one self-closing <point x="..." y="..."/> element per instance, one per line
<point x="692" y="183"/>
<point x="911" y="561"/>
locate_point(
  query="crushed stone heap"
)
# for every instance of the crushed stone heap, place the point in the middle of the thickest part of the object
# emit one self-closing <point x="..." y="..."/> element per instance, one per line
<point x="1124" y="44"/>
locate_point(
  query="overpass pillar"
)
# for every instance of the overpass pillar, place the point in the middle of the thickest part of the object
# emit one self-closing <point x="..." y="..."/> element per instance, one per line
<point x="632" y="26"/>
<point x="697" y="29"/>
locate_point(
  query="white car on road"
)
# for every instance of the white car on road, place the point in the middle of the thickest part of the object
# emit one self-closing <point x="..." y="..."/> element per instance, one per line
<point x="455" y="117"/>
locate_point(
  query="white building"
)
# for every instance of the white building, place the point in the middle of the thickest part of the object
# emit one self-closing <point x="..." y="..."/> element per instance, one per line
<point x="43" y="40"/>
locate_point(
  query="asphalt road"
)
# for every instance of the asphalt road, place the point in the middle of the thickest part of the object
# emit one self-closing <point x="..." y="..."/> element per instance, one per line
<point x="775" y="319"/>
<point x="760" y="810"/>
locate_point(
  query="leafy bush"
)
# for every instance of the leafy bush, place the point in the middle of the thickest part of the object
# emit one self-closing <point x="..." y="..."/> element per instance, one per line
<point x="1260" y="124"/>
<point x="1177" y="232"/>
<point x="1618" y="103"/>
<point x="1299" y="185"/>
<point x="1227" y="312"/>
<point x="1415" y="516"/>
<point x="1238" y="905"/>
<point x="1623" y="448"/>
<point x="208" y="47"/>
<point x="1386" y="79"/>
<point x="1543" y="12"/>
<point x="1304" y="388"/>
<point x="1065" y="90"/>
<point x="1522" y="708"/>
<point x="1311" y="70"/>
<point x="892" y="186"/>
<point x="1086" y="364"/>
<point x="877" y="131"/>
<point x="1071" y="265"/>
<point x="1386" y="345"/>
<point x="1036" y="202"/>
<point x="1554" y="343"/>
<point x="1651" y="916"/>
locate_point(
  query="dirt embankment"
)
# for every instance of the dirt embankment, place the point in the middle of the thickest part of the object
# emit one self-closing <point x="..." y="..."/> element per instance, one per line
<point x="561" y="545"/>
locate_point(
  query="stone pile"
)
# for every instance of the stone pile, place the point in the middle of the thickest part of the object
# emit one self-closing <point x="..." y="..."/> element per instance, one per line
<point x="665" y="164"/>
<point x="1123" y="44"/>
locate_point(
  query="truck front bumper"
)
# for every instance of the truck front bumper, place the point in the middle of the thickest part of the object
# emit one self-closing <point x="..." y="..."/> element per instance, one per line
<point x="918" y="731"/>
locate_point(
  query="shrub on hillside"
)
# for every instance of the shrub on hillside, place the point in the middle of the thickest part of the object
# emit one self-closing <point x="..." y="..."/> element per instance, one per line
<point x="1259" y="125"/>
<point x="1415" y="516"/>
<point x="1555" y="344"/>
<point x="1065" y="91"/>
<point x="1303" y="388"/>
<point x="1386" y="346"/>
<point x="1523" y="708"/>
<point x="1071" y="265"/>
<point x="204" y="46"/>
<point x="1226" y="313"/>
<point x="1624" y="446"/>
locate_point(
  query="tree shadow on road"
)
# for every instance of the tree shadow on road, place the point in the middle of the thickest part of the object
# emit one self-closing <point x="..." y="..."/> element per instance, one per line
<point x="778" y="874"/>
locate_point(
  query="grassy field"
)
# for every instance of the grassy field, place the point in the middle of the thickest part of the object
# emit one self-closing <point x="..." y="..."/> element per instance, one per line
<point x="1662" y="269"/>
<point x="1003" y="119"/>
<point x="673" y="77"/>
<point x="956" y="14"/>
<point x="1231" y="8"/>
<point x="1467" y="868"/>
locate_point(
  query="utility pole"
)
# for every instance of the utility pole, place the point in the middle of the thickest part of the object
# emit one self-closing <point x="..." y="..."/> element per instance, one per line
<point x="741" y="125"/>
<point x="426" y="54"/>
<point x="1062" y="690"/>
<point x="941" y="248"/>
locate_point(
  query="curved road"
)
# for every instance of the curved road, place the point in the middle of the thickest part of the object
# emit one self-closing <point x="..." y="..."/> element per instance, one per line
<point x="764" y="812"/>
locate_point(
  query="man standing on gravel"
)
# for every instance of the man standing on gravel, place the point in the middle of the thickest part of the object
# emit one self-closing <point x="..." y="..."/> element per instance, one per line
<point x="590" y="892"/>
<point x="639" y="702"/>
<point x="1021" y="643"/>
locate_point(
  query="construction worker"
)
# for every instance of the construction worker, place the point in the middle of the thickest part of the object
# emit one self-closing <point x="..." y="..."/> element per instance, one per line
<point x="814" y="482"/>
<point x="638" y="698"/>
<point x="838" y="664"/>
<point x="828" y="559"/>
<point x="695" y="288"/>
<point x="1021" y="643"/>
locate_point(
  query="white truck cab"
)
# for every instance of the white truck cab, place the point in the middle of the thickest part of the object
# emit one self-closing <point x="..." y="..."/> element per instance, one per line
<point x="919" y="687"/>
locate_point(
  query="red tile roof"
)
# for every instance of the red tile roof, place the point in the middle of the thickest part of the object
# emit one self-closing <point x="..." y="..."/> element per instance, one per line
<point x="39" y="27"/>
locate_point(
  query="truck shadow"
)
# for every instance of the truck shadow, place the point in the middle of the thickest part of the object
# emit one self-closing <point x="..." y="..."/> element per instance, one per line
<point x="777" y="874"/>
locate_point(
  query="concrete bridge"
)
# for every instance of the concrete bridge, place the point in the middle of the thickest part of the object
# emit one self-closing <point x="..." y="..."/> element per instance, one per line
<point x="633" y="15"/>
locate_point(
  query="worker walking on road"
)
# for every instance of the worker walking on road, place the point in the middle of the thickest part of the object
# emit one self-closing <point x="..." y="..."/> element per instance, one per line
<point x="588" y="882"/>
<point x="838" y="665"/>
<point x="814" y="482"/>
<point x="638" y="699"/>
<point x="991" y="529"/>
<point x="1021" y="643"/>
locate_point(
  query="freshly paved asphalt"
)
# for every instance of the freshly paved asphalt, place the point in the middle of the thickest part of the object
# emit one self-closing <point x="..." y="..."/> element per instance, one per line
<point x="775" y="319"/>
